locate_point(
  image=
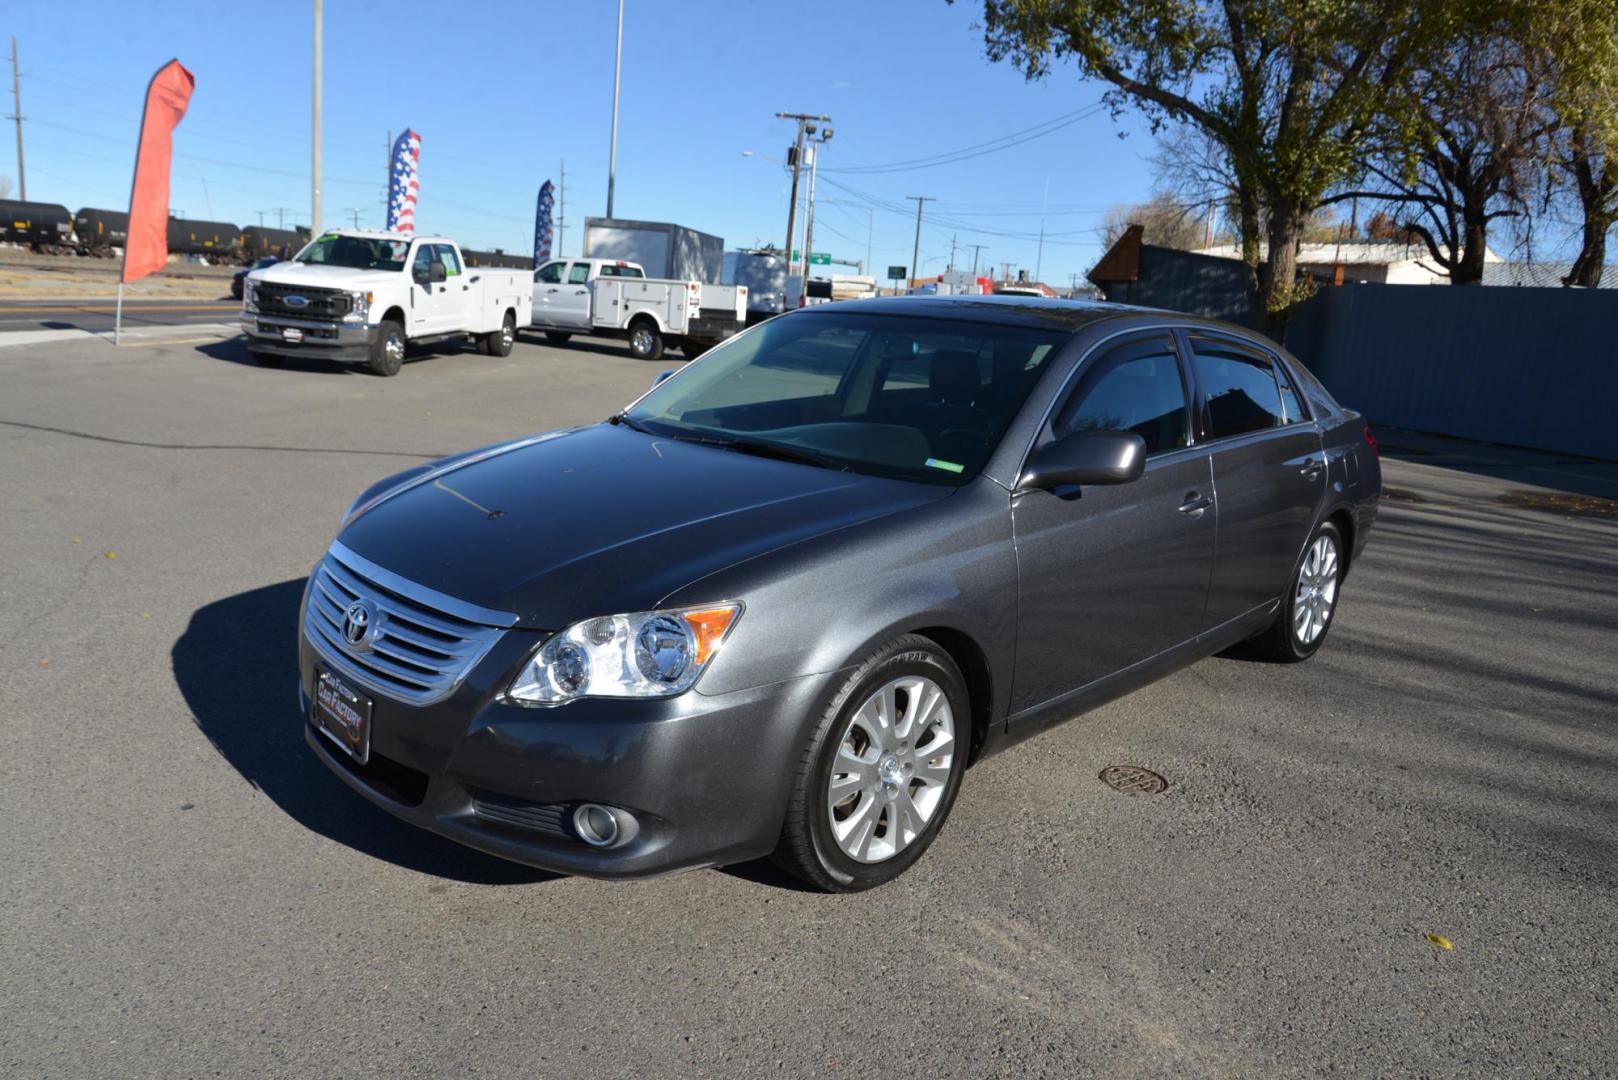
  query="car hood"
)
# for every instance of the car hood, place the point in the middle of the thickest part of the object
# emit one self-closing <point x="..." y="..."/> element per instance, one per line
<point x="603" y="520"/>
<point x="328" y="277"/>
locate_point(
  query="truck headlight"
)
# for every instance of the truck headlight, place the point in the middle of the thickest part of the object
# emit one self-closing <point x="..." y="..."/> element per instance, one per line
<point x="648" y="654"/>
<point x="359" y="305"/>
<point x="249" y="295"/>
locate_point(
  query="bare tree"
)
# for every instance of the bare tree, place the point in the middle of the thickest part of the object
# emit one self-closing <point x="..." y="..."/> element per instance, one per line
<point x="1166" y="222"/>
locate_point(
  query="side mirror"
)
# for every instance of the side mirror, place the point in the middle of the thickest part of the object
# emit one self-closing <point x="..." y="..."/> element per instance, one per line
<point x="436" y="272"/>
<point x="657" y="379"/>
<point x="1087" y="457"/>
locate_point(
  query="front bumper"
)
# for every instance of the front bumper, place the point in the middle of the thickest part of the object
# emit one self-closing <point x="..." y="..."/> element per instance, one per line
<point x="320" y="338"/>
<point x="706" y="776"/>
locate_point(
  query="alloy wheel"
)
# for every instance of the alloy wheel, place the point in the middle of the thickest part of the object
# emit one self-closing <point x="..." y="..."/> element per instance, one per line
<point x="892" y="766"/>
<point x="1317" y="591"/>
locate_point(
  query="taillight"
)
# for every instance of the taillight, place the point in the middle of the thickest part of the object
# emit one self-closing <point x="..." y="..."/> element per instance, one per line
<point x="1370" y="440"/>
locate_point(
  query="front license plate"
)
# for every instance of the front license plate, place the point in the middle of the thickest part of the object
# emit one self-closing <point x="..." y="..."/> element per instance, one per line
<point x="343" y="716"/>
<point x="291" y="334"/>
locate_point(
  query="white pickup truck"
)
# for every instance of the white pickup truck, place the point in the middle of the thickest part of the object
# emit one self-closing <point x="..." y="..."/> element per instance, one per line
<point x="363" y="296"/>
<point x="613" y="298"/>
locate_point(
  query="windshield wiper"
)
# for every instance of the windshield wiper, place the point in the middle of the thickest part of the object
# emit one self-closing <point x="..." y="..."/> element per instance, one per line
<point x="779" y="451"/>
<point x="630" y="422"/>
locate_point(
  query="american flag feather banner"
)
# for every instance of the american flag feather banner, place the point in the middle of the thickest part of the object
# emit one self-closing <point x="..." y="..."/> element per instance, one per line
<point x="542" y="222"/>
<point x="403" y="182"/>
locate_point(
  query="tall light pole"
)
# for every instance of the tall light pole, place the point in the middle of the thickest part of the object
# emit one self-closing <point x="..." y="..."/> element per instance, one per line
<point x="915" y="252"/>
<point x="809" y="217"/>
<point x="315" y="126"/>
<point x="617" y="72"/>
<point x="16" y="109"/>
<point x="803" y="120"/>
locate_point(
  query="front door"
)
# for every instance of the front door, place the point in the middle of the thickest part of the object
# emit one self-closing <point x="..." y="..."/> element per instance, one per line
<point x="1268" y="467"/>
<point x="430" y="302"/>
<point x="570" y="304"/>
<point x="547" y="284"/>
<point x="1111" y="575"/>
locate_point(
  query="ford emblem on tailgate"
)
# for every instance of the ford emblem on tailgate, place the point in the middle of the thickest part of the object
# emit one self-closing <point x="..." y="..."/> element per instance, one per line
<point x="296" y="301"/>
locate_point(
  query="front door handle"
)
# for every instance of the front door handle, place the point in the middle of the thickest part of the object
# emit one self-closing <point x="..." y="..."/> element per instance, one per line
<point x="1195" y="503"/>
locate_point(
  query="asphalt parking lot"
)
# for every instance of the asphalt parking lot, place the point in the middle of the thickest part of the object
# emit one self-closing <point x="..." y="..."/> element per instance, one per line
<point x="185" y="891"/>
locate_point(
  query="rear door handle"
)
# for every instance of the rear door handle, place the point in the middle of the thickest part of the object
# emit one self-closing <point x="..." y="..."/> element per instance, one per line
<point x="1195" y="503"/>
<point x="1312" y="468"/>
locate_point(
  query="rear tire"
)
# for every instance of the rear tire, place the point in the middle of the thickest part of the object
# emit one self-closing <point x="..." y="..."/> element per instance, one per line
<point x="896" y="776"/>
<point x="387" y="351"/>
<point x="1309" y="604"/>
<point x="499" y="342"/>
<point x="645" y="341"/>
<point x="557" y="337"/>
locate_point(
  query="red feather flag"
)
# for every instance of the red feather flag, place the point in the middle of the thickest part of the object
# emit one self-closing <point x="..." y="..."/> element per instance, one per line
<point x="147" y="248"/>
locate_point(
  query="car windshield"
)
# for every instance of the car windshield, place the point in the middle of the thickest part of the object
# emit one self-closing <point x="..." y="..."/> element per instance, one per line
<point x="355" y="252"/>
<point x="914" y="398"/>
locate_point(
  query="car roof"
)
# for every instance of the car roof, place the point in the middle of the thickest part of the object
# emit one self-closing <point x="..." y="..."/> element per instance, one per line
<point x="1030" y="311"/>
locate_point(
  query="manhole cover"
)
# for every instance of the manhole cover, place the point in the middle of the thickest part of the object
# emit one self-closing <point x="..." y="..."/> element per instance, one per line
<point x="1133" y="780"/>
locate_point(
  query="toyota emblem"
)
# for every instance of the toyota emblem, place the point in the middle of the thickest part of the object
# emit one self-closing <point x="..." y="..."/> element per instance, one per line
<point x="358" y="623"/>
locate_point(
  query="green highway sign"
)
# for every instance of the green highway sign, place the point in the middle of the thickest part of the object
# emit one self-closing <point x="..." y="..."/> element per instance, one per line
<point x="816" y="258"/>
<point x="896" y="272"/>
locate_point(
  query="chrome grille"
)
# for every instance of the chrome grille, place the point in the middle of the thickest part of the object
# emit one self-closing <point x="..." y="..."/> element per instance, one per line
<point x="421" y="644"/>
<point x="323" y="303"/>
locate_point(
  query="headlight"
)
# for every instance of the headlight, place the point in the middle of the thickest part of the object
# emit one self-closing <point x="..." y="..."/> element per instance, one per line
<point x="359" y="305"/>
<point x="249" y="295"/>
<point x="645" y="655"/>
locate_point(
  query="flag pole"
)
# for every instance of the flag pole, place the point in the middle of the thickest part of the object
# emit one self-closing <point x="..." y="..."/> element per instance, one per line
<point x="118" y="321"/>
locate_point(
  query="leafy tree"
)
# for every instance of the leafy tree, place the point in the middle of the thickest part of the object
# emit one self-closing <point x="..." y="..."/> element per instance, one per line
<point x="1289" y="90"/>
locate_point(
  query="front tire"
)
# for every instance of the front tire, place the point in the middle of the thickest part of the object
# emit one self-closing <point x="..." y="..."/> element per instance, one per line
<point x="387" y="351"/>
<point x="881" y="770"/>
<point x="1309" y="603"/>
<point x="645" y="341"/>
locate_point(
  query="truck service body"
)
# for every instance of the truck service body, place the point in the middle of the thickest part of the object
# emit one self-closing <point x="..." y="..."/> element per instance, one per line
<point x="363" y="296"/>
<point x="615" y="298"/>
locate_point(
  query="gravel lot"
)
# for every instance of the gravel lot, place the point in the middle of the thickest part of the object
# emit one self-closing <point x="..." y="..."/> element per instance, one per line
<point x="186" y="892"/>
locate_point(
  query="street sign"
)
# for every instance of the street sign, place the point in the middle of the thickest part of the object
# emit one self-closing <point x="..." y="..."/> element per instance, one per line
<point x="896" y="272"/>
<point x="820" y="258"/>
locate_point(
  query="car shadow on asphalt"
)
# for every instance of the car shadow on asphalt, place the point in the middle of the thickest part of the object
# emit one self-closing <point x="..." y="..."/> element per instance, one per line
<point x="236" y="664"/>
<point x="234" y="351"/>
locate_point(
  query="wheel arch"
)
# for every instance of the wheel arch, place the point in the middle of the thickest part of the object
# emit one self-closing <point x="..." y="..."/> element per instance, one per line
<point x="396" y="314"/>
<point x="974" y="664"/>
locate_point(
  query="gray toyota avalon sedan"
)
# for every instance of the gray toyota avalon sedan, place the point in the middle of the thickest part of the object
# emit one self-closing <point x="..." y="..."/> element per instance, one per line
<point x="782" y="601"/>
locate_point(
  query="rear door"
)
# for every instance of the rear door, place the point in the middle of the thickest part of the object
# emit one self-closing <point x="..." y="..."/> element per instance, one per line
<point x="456" y="310"/>
<point x="1268" y="470"/>
<point x="570" y="304"/>
<point x="1110" y="575"/>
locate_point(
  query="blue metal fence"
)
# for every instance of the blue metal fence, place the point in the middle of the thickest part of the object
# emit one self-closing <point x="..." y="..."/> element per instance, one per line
<point x="1521" y="366"/>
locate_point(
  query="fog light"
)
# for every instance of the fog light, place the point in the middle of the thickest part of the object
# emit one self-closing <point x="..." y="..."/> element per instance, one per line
<point x="596" y="825"/>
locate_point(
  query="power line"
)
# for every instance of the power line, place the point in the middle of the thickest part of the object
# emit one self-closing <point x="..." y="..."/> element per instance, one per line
<point x="1003" y="142"/>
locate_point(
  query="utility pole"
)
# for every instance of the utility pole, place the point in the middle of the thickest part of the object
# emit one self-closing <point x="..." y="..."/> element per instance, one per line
<point x="354" y="212"/>
<point x="280" y="213"/>
<point x="387" y="177"/>
<point x="975" y="249"/>
<point x="315" y="126"/>
<point x="952" y="251"/>
<point x="1039" y="260"/>
<point x="915" y="252"/>
<point x="809" y="217"/>
<point x="561" y="211"/>
<point x="16" y="110"/>
<point x="804" y="120"/>
<point x="617" y="70"/>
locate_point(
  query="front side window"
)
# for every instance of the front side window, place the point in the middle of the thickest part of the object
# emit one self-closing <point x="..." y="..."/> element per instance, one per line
<point x="1238" y="386"/>
<point x="1136" y="387"/>
<point x="923" y="399"/>
<point x="550" y="273"/>
<point x="579" y="274"/>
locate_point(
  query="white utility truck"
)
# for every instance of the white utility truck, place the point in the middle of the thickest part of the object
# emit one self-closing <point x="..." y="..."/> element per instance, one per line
<point x="614" y="298"/>
<point x="363" y="296"/>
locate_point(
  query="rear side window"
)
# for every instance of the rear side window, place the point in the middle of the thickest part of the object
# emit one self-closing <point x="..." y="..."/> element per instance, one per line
<point x="621" y="271"/>
<point x="1238" y="387"/>
<point x="579" y="274"/>
<point x="1135" y="387"/>
<point x="446" y="255"/>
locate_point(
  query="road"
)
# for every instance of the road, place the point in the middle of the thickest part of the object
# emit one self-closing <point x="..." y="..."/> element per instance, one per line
<point x="97" y="315"/>
<point x="186" y="891"/>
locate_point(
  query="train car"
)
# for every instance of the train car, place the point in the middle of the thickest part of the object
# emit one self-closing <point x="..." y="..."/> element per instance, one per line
<point x="44" y="227"/>
<point x="497" y="258"/>
<point x="260" y="243"/>
<point x="187" y="237"/>
<point x="100" y="231"/>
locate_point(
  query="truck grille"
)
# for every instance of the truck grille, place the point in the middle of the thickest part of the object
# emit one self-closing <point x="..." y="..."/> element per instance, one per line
<point x="413" y="651"/>
<point x="323" y="303"/>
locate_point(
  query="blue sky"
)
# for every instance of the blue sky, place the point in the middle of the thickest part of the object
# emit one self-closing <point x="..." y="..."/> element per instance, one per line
<point x="503" y="92"/>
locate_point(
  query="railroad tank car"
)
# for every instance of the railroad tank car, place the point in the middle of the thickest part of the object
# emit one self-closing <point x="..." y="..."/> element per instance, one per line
<point x="497" y="259"/>
<point x="45" y="227"/>
<point x="259" y="242"/>
<point x="188" y="237"/>
<point x="100" y="231"/>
